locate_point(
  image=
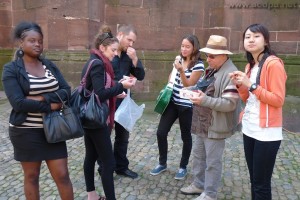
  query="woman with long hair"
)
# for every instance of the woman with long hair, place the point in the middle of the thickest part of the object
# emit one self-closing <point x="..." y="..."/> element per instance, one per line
<point x="262" y="88"/>
<point x="97" y="141"/>
<point x="189" y="70"/>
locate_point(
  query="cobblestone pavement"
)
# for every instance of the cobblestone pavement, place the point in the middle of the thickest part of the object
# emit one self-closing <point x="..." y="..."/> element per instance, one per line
<point x="143" y="156"/>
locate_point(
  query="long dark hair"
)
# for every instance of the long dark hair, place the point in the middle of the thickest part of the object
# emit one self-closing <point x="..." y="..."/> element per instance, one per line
<point x="258" y="28"/>
<point x="196" y="55"/>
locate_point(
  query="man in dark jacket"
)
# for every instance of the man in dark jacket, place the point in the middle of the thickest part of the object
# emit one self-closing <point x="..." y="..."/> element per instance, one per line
<point x="126" y="63"/>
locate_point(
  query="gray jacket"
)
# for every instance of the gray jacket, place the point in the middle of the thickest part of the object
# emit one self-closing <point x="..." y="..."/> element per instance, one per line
<point x="217" y="117"/>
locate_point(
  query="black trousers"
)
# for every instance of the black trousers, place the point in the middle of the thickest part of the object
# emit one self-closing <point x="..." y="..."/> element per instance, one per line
<point x="120" y="149"/>
<point x="260" y="158"/>
<point x="98" y="146"/>
<point x="184" y="114"/>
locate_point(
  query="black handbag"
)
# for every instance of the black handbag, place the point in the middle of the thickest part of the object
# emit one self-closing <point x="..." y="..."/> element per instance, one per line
<point x="63" y="124"/>
<point x="93" y="113"/>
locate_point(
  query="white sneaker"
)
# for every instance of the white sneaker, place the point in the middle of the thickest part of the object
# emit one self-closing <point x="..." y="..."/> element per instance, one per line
<point x="191" y="190"/>
<point x="203" y="196"/>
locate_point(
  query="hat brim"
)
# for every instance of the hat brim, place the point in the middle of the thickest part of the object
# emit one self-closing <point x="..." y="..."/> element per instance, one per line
<point x="215" y="51"/>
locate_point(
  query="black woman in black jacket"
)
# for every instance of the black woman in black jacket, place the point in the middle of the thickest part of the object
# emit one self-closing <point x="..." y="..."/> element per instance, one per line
<point x="30" y="82"/>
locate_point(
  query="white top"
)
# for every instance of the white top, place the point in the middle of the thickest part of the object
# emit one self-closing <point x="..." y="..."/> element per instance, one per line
<point x="250" y="120"/>
<point x="39" y="85"/>
<point x="178" y="85"/>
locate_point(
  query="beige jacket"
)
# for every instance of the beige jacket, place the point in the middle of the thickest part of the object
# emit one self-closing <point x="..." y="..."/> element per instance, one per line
<point x="218" y="115"/>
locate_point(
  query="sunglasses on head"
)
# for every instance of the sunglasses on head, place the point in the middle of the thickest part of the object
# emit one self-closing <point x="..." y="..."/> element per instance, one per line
<point x="106" y="35"/>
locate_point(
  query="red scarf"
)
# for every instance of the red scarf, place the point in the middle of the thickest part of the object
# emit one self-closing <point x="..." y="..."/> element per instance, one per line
<point x="110" y="71"/>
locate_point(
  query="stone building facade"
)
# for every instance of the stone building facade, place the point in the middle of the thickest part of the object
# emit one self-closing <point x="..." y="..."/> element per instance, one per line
<point x="70" y="25"/>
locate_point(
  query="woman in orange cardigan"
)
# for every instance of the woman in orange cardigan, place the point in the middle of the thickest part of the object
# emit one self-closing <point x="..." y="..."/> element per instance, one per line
<point x="262" y="88"/>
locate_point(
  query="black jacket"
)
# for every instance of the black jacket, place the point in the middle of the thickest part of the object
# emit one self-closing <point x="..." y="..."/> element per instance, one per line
<point x="16" y="86"/>
<point x="97" y="78"/>
<point x="123" y="66"/>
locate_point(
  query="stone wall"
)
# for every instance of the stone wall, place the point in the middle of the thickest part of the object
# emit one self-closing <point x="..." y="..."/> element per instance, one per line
<point x="70" y="25"/>
<point x="158" y="66"/>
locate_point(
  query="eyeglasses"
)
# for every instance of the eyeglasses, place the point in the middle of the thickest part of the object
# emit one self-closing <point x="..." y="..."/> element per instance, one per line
<point x="106" y="35"/>
<point x="211" y="56"/>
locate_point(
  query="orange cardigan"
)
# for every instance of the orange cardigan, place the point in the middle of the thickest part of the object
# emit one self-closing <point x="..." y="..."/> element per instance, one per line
<point x="270" y="92"/>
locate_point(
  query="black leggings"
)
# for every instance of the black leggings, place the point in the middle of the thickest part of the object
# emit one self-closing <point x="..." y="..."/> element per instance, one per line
<point x="260" y="158"/>
<point x="98" y="145"/>
<point x="184" y="114"/>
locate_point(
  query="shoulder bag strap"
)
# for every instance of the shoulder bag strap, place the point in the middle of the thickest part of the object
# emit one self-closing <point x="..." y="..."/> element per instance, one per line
<point x="68" y="97"/>
<point x="63" y="103"/>
<point x="83" y="80"/>
<point x="172" y="78"/>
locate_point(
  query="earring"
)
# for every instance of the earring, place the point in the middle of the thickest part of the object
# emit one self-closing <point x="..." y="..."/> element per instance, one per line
<point x="20" y="53"/>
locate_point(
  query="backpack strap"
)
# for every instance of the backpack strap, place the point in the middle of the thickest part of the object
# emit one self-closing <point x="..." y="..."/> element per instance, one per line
<point x="260" y="66"/>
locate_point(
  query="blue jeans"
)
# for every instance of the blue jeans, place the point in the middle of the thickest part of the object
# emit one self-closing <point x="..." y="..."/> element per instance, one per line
<point x="260" y="158"/>
<point x="184" y="114"/>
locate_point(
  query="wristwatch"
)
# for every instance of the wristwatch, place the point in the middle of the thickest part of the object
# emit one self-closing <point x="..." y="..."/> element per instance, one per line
<point x="253" y="87"/>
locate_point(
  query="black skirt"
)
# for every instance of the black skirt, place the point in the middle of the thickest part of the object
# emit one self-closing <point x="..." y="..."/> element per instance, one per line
<point x="30" y="145"/>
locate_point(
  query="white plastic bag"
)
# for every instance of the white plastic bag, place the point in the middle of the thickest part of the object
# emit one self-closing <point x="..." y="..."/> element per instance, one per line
<point x="128" y="112"/>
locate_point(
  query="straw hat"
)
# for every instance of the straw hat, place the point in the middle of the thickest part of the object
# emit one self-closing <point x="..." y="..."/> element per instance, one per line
<point x="216" y="45"/>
